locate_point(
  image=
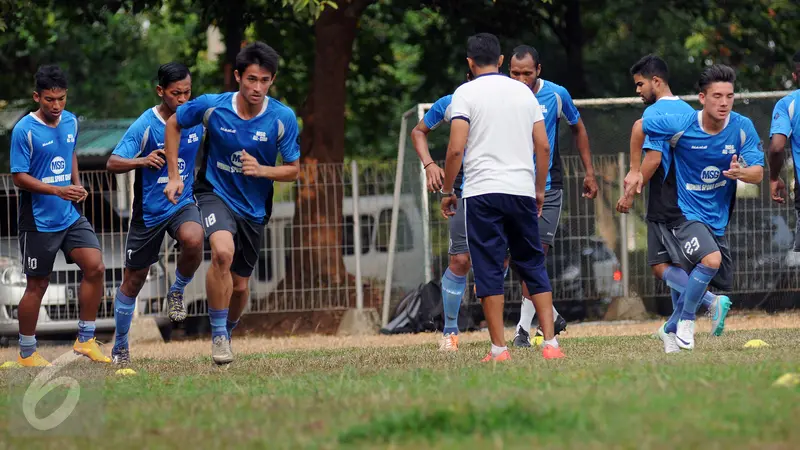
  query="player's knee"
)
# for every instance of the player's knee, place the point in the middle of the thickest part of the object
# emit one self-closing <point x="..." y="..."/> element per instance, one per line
<point x="240" y="287"/>
<point x="658" y="270"/>
<point x="222" y="258"/>
<point x="712" y="260"/>
<point x="192" y="240"/>
<point x="460" y="264"/>
<point x="94" y="271"/>
<point x="134" y="281"/>
<point x="37" y="285"/>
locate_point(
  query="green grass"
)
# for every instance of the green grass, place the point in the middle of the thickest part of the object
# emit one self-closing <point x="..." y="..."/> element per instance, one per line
<point x="610" y="392"/>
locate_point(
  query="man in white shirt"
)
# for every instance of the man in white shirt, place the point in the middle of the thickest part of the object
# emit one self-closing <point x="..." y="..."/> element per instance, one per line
<point x="500" y="121"/>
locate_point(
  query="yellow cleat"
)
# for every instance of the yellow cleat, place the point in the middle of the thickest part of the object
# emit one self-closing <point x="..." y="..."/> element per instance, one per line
<point x="91" y="350"/>
<point x="35" y="360"/>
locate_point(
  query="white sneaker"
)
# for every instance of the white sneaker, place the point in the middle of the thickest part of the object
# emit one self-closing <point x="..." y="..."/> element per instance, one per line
<point x="670" y="342"/>
<point x="685" y="334"/>
<point x="449" y="343"/>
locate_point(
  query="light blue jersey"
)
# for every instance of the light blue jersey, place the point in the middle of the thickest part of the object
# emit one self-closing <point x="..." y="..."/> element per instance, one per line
<point x="556" y="103"/>
<point x="786" y="121"/>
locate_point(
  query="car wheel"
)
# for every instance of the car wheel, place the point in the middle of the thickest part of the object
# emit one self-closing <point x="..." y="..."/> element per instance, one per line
<point x="4" y="342"/>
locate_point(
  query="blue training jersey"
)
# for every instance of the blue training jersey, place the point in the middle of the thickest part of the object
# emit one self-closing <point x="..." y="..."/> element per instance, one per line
<point x="271" y="132"/>
<point x="786" y="121"/>
<point x="45" y="153"/>
<point x="145" y="135"/>
<point x="438" y="114"/>
<point x="703" y="192"/>
<point x="556" y="103"/>
<point x="659" y="207"/>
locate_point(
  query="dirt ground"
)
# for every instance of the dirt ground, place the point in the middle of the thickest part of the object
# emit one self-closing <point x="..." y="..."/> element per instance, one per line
<point x="250" y="342"/>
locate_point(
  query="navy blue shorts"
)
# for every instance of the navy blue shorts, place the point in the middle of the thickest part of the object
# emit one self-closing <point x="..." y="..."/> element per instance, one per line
<point x="496" y="222"/>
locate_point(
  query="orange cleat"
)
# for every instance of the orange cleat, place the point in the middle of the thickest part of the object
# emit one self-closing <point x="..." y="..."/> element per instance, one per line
<point x="505" y="356"/>
<point x="550" y="352"/>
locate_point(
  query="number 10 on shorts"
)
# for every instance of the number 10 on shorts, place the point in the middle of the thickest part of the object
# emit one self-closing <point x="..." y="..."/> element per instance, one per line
<point x="210" y="220"/>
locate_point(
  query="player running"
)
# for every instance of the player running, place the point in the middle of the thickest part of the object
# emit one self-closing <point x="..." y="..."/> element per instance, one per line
<point x="785" y="125"/>
<point x="245" y="132"/>
<point x="556" y="103"/>
<point x="705" y="143"/>
<point x="651" y="77"/>
<point x="141" y="149"/>
<point x="44" y="167"/>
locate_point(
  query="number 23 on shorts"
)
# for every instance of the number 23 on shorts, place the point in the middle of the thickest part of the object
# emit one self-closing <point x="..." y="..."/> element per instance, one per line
<point x="691" y="246"/>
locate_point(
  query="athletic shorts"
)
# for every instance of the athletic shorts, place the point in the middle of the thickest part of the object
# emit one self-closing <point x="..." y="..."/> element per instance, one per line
<point x="458" y="231"/>
<point x="797" y="233"/>
<point x="144" y="244"/>
<point x="551" y="214"/>
<point x="657" y="252"/>
<point x="690" y="241"/>
<point x="497" y="223"/>
<point x="247" y="235"/>
<point x="39" y="248"/>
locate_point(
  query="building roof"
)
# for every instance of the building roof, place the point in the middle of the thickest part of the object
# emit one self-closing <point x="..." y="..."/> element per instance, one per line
<point x="100" y="137"/>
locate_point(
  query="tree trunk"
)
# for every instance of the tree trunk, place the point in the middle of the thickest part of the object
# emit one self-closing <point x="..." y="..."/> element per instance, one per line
<point x="233" y="32"/>
<point x="573" y="27"/>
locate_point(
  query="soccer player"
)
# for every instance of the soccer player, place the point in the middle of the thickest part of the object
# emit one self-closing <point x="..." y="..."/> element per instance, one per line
<point x="245" y="132"/>
<point x="785" y="125"/>
<point x="651" y="77"/>
<point x="556" y="103"/>
<point x="141" y="149"/>
<point x="705" y="143"/>
<point x="500" y="122"/>
<point x="44" y="167"/>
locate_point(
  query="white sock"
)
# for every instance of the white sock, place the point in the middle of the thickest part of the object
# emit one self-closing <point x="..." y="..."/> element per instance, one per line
<point x="552" y="342"/>
<point x="526" y="314"/>
<point x="555" y="313"/>
<point x="496" y="351"/>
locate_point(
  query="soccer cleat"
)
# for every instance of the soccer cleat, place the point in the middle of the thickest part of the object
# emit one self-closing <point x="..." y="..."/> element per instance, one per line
<point x="522" y="338"/>
<point x="505" y="356"/>
<point x="35" y="360"/>
<point x="559" y="325"/>
<point x="718" y="311"/>
<point x="550" y="352"/>
<point x="669" y="340"/>
<point x="91" y="350"/>
<point x="221" y="351"/>
<point x="449" y="343"/>
<point x="685" y="335"/>
<point x="175" y="308"/>
<point x="120" y="357"/>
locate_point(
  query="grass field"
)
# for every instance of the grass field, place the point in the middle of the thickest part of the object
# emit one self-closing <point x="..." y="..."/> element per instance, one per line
<point x="613" y="391"/>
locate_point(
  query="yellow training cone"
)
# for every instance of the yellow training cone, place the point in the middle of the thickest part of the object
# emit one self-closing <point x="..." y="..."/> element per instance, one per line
<point x="788" y="380"/>
<point x="755" y="343"/>
<point x="124" y="372"/>
<point x="10" y="365"/>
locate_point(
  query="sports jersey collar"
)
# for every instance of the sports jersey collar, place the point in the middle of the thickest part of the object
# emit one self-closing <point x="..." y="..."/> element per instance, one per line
<point x="700" y="122"/>
<point x="539" y="86"/>
<point x="487" y="74"/>
<point x="671" y="97"/>
<point x="33" y="114"/>
<point x="263" y="108"/>
<point x="158" y="116"/>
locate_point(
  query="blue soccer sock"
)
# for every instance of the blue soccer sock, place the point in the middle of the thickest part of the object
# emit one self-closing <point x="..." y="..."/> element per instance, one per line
<point x="229" y="326"/>
<point x="123" y="316"/>
<point x="27" y="345"/>
<point x="180" y="282"/>
<point x="677" y="278"/>
<point x="86" y="330"/>
<point x="453" y="287"/>
<point x="218" y="318"/>
<point x="695" y="288"/>
<point x="676" y="295"/>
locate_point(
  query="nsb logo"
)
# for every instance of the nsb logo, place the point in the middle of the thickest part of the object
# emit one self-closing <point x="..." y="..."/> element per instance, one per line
<point x="236" y="159"/>
<point x="181" y="165"/>
<point x="58" y="165"/>
<point x="192" y="138"/>
<point x="710" y="174"/>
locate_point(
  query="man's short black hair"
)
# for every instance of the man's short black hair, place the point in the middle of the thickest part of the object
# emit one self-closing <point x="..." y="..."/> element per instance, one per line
<point x="484" y="49"/>
<point x="718" y="73"/>
<point x="651" y="66"/>
<point x="796" y="58"/>
<point x="50" y="77"/>
<point x="260" y="54"/>
<point x="521" y="51"/>
<point x="171" y="72"/>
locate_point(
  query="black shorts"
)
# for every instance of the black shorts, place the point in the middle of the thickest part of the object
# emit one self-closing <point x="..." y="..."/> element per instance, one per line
<point x="690" y="242"/>
<point x="144" y="244"/>
<point x="247" y="235"/>
<point x="551" y="215"/>
<point x="657" y="252"/>
<point x="39" y="248"/>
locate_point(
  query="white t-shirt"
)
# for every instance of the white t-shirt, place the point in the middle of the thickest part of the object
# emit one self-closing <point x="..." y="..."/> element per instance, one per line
<point x="501" y="113"/>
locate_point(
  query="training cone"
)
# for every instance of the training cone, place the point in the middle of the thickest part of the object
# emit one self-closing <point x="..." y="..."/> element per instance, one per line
<point x="10" y="365"/>
<point x="124" y="372"/>
<point x="755" y="343"/>
<point x="788" y="380"/>
<point x="538" y="340"/>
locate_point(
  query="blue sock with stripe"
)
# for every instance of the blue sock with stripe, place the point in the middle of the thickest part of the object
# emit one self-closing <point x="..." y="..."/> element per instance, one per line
<point x="676" y="278"/>
<point x="86" y="330"/>
<point x="218" y="318"/>
<point x="695" y="288"/>
<point x="123" y="316"/>
<point x="180" y="282"/>
<point x="229" y="326"/>
<point x="27" y="345"/>
<point x="453" y="287"/>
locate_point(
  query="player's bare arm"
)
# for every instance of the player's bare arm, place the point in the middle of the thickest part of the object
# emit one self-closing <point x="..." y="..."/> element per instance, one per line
<point x="76" y="177"/>
<point x="172" y="137"/>
<point x="776" y="157"/>
<point x="752" y="174"/>
<point x="26" y="182"/>
<point x="648" y="168"/>
<point x="433" y="173"/>
<point x="541" y="150"/>
<point x="155" y="160"/>
<point x="459" y="131"/>
<point x="287" y="172"/>
<point x="633" y="180"/>
<point x="582" y="142"/>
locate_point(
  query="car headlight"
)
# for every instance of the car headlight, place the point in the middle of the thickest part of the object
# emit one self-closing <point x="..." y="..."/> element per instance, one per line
<point x="11" y="273"/>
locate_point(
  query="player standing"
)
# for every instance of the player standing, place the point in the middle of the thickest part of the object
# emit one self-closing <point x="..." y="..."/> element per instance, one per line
<point x="705" y="143"/>
<point x="44" y="167"/>
<point x="651" y="77"/>
<point x="245" y="132"/>
<point x="494" y="117"/>
<point x="785" y="125"/>
<point x="556" y="103"/>
<point x="141" y="149"/>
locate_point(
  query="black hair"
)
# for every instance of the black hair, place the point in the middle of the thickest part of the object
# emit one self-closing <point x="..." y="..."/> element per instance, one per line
<point x="484" y="49"/>
<point x="260" y="54"/>
<point x="171" y="72"/>
<point x="796" y="58"/>
<point x="521" y="51"/>
<point x="651" y="66"/>
<point x="718" y="73"/>
<point x="50" y="77"/>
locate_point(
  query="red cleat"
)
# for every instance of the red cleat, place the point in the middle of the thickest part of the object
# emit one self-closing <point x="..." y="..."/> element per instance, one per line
<point x="550" y="352"/>
<point x="505" y="356"/>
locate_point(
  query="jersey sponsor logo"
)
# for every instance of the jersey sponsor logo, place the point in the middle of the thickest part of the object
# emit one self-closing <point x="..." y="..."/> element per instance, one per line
<point x="181" y="165"/>
<point x="70" y="138"/>
<point x="165" y="180"/>
<point x="58" y="165"/>
<point x="47" y="143"/>
<point x="710" y="174"/>
<point x="227" y="130"/>
<point x="543" y="107"/>
<point x="699" y="147"/>
<point x="260" y="136"/>
<point x="236" y="159"/>
<point x="193" y="138"/>
<point x="236" y="163"/>
<point x="729" y="149"/>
